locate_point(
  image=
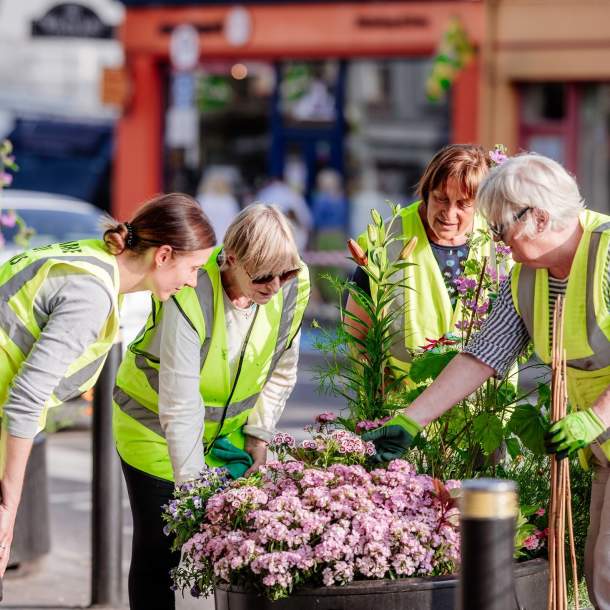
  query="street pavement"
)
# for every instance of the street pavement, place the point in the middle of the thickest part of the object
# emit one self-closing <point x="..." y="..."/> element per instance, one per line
<point x="62" y="579"/>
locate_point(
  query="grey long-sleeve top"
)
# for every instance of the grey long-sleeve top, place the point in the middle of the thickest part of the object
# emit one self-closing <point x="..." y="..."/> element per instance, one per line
<point x="71" y="309"/>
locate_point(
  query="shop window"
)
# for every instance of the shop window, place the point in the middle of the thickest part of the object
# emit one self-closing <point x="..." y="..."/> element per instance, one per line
<point x="570" y="122"/>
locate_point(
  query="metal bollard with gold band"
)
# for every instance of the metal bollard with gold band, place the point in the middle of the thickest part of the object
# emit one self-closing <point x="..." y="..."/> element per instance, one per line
<point x="489" y="510"/>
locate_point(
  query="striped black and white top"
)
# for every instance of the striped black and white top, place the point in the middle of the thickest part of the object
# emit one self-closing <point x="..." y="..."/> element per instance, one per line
<point x="504" y="335"/>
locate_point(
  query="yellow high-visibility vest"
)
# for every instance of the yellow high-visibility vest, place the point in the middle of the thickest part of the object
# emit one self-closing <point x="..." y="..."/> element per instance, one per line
<point x="21" y="278"/>
<point x="586" y="319"/>
<point x="228" y="402"/>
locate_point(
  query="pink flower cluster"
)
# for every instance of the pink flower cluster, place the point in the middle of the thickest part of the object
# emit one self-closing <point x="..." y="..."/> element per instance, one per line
<point x="302" y="525"/>
<point x="325" y="418"/>
<point x="535" y="540"/>
<point x="327" y="446"/>
<point x="368" y="424"/>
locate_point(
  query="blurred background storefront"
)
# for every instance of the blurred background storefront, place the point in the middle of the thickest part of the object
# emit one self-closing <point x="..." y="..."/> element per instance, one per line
<point x="546" y="85"/>
<point x="112" y="101"/>
<point x="290" y="91"/>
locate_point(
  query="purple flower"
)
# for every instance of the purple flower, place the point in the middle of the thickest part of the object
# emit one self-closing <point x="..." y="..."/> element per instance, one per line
<point x="503" y="249"/>
<point x="498" y="154"/>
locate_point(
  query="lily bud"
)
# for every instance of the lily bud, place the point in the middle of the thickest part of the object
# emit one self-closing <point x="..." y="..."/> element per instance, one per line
<point x="408" y="248"/>
<point x="357" y="252"/>
<point x="376" y="216"/>
<point x="372" y="233"/>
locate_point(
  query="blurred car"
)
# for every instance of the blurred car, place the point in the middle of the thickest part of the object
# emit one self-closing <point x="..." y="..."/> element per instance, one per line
<point x="57" y="218"/>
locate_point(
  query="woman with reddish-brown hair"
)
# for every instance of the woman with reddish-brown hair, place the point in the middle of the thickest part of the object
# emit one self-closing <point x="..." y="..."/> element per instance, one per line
<point x="59" y="316"/>
<point x="439" y="225"/>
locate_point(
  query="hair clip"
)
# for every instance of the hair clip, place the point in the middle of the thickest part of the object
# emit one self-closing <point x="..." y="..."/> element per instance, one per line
<point x="129" y="242"/>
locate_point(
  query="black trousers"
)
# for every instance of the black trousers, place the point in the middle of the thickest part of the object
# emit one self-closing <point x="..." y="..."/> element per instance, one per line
<point x="151" y="555"/>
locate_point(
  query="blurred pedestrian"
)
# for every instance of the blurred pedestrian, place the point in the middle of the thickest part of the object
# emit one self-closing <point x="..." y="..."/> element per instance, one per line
<point x="217" y="200"/>
<point x="293" y="205"/>
<point x="330" y="215"/>
<point x="329" y="205"/>
<point x="60" y="316"/>
<point x="366" y="197"/>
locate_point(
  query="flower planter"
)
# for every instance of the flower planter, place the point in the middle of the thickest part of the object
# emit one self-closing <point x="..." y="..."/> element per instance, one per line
<point x="405" y="594"/>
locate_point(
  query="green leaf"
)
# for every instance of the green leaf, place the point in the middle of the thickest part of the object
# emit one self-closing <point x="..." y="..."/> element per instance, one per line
<point x="488" y="431"/>
<point x="544" y="395"/>
<point x="513" y="447"/>
<point x="429" y="365"/>
<point x="527" y="423"/>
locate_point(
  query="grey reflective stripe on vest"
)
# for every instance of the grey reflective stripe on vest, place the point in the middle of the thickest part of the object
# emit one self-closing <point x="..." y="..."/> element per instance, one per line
<point x="69" y="387"/>
<point x="152" y="375"/>
<point x="525" y="297"/>
<point x="9" y="321"/>
<point x="597" y="339"/>
<point x="205" y="296"/>
<point x="397" y="327"/>
<point x="150" y="419"/>
<point x="16" y="330"/>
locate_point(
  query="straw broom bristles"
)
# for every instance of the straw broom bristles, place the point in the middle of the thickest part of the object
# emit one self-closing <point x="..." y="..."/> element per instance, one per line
<point x="561" y="497"/>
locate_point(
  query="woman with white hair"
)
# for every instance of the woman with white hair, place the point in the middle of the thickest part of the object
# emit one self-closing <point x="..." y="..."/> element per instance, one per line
<point x="206" y="382"/>
<point x="534" y="206"/>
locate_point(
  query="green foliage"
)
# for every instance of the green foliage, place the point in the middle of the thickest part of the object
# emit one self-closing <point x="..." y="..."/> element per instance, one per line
<point x="488" y="431"/>
<point x="357" y="365"/>
<point x="430" y="364"/>
<point x="528" y="424"/>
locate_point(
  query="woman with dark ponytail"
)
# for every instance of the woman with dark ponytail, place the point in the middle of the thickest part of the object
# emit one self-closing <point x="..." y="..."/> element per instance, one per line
<point x="59" y="316"/>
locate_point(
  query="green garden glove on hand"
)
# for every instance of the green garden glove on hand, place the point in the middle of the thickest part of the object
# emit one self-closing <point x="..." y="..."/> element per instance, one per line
<point x="573" y="432"/>
<point x="237" y="461"/>
<point x="393" y="438"/>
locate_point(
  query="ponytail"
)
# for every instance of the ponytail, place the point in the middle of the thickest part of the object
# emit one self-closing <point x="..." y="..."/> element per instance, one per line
<point x="175" y="219"/>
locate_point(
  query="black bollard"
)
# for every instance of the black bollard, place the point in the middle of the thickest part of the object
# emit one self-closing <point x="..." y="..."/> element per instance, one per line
<point x="488" y="516"/>
<point x="106" y="516"/>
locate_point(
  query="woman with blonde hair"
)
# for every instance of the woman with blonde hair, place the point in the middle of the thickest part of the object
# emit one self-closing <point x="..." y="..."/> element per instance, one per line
<point x="59" y="317"/>
<point x="207" y="382"/>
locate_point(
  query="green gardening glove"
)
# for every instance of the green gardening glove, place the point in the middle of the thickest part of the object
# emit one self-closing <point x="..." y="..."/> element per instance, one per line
<point x="236" y="460"/>
<point x="573" y="432"/>
<point x="393" y="438"/>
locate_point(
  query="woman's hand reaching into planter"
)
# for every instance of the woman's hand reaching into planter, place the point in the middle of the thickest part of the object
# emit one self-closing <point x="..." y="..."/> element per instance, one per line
<point x="393" y="439"/>
<point x="257" y="448"/>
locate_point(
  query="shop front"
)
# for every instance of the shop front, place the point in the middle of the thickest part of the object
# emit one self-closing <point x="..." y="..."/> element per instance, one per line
<point x="547" y="88"/>
<point x="253" y="92"/>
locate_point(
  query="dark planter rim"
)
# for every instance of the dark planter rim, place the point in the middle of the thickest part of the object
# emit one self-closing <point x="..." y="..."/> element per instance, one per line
<point x="366" y="587"/>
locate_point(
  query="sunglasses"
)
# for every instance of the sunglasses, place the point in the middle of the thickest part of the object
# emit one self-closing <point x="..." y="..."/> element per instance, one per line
<point x="267" y="279"/>
<point x="498" y="230"/>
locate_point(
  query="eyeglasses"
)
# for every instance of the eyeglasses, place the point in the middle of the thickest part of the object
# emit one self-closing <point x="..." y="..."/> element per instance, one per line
<point x="267" y="279"/>
<point x="498" y="230"/>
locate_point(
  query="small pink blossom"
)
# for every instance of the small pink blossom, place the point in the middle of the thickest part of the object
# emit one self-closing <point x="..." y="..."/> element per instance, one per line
<point x="325" y="418"/>
<point x="8" y="220"/>
<point x="531" y="543"/>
